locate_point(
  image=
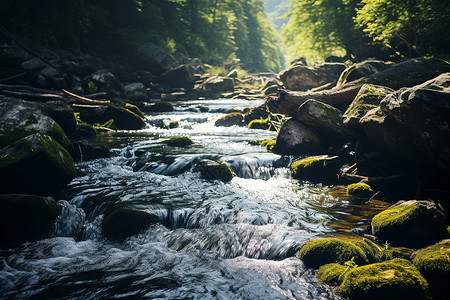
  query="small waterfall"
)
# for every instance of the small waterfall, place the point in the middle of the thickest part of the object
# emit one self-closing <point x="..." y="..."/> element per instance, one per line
<point x="71" y="221"/>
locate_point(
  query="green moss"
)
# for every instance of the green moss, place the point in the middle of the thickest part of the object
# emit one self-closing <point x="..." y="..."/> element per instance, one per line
<point x="59" y="135"/>
<point x="260" y="124"/>
<point x="58" y="155"/>
<point x="316" y="253"/>
<point x="174" y="124"/>
<point x="85" y="130"/>
<point x="180" y="141"/>
<point x="122" y="222"/>
<point x="213" y="170"/>
<point x="332" y="274"/>
<point x="231" y="120"/>
<point x="370" y="249"/>
<point x="322" y="168"/>
<point x="434" y="261"/>
<point x="269" y="144"/>
<point x="387" y="280"/>
<point x="123" y="118"/>
<point x="360" y="190"/>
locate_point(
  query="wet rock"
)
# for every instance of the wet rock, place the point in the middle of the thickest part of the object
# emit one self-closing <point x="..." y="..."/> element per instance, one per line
<point x="84" y="151"/>
<point x="153" y="58"/>
<point x="179" y="141"/>
<point x="387" y="280"/>
<point x="159" y="107"/>
<point x="51" y="78"/>
<point x="135" y="91"/>
<point x="316" y="253"/>
<point x="213" y="170"/>
<point x="433" y="263"/>
<point x="105" y="81"/>
<point x="256" y="113"/>
<point x="19" y="118"/>
<point x="122" y="222"/>
<point x="36" y="164"/>
<point x="411" y="224"/>
<point x="216" y="85"/>
<point x="231" y="119"/>
<point x="360" y="190"/>
<point x="25" y="218"/>
<point x="302" y="78"/>
<point x="295" y="138"/>
<point x="322" y="168"/>
<point x="324" y="119"/>
<point x="179" y="77"/>
<point x="124" y="118"/>
<point x="174" y="124"/>
<point x="260" y="124"/>
<point x="63" y="114"/>
<point x="362" y="69"/>
<point x="368" y="98"/>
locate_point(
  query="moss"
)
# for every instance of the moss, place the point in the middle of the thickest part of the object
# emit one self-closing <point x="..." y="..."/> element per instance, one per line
<point x="360" y="190"/>
<point x="213" y="170"/>
<point x="174" y="124"/>
<point x="85" y="130"/>
<point x="124" y="118"/>
<point x="25" y="218"/>
<point x="122" y="222"/>
<point x="59" y="135"/>
<point x="269" y="144"/>
<point x="160" y="107"/>
<point x="332" y="274"/>
<point x="231" y="120"/>
<point x="387" y="280"/>
<point x="370" y="249"/>
<point x="260" y="124"/>
<point x="179" y="141"/>
<point x="316" y="253"/>
<point x="58" y="155"/>
<point x="322" y="168"/>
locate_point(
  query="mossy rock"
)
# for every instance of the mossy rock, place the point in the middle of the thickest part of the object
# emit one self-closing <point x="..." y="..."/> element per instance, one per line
<point x="213" y="170"/>
<point x="25" y="218"/>
<point x="159" y="107"/>
<point x="386" y="280"/>
<point x="63" y="114"/>
<point x="362" y="69"/>
<point x="231" y="119"/>
<point x="319" y="252"/>
<point x="269" y="144"/>
<point x="321" y="168"/>
<point x="259" y="124"/>
<point x="36" y="164"/>
<point x="411" y="224"/>
<point x="332" y="274"/>
<point x="256" y="113"/>
<point x="124" y="119"/>
<point x="433" y="263"/>
<point x="120" y="223"/>
<point x="179" y="141"/>
<point x="372" y="251"/>
<point x="360" y="190"/>
<point x="174" y="124"/>
<point x="84" y="130"/>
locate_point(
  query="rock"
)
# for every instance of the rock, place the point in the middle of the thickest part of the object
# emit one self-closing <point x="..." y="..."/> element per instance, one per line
<point x="332" y="274"/>
<point x="135" y="91"/>
<point x="153" y="58"/>
<point x="50" y="78"/>
<point x="122" y="222"/>
<point x="256" y="113"/>
<point x="260" y="124"/>
<point x="124" y="118"/>
<point x="180" y="141"/>
<point x="36" y="164"/>
<point x="362" y="69"/>
<point x="294" y="138"/>
<point x="269" y="144"/>
<point x="316" y="253"/>
<point x="386" y="280"/>
<point x="63" y="114"/>
<point x="433" y="263"/>
<point x="25" y="218"/>
<point x="368" y="98"/>
<point x="213" y="170"/>
<point x="411" y="224"/>
<point x="179" y="77"/>
<point x="422" y="115"/>
<point x="84" y="130"/>
<point x="19" y="118"/>
<point x="174" y="124"/>
<point x="322" y="168"/>
<point x="324" y="119"/>
<point x="360" y="190"/>
<point x="105" y="81"/>
<point x="216" y="85"/>
<point x="159" y="107"/>
<point x="84" y="151"/>
<point x="231" y="119"/>
<point x="302" y="78"/>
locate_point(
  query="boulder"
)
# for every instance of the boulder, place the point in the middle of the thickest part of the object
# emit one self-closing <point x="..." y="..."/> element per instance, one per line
<point x="322" y="168"/>
<point x="19" y="118"/>
<point x="151" y="57"/>
<point x="25" y="218"/>
<point x="213" y="170"/>
<point x="36" y="164"/>
<point x="51" y="78"/>
<point x="295" y="138"/>
<point x="368" y="98"/>
<point x="179" y="141"/>
<point x="257" y="113"/>
<point x="159" y="107"/>
<point x="135" y="91"/>
<point x="316" y="253"/>
<point x="179" y="77"/>
<point x="396" y="279"/>
<point x="63" y="114"/>
<point x="324" y="119"/>
<point x="231" y="119"/>
<point x="433" y="263"/>
<point x="122" y="222"/>
<point x="362" y="69"/>
<point x="260" y="124"/>
<point x="302" y="78"/>
<point x="332" y="274"/>
<point x="360" y="190"/>
<point x="216" y="85"/>
<point x="84" y="150"/>
<point x="411" y="224"/>
<point x="124" y="118"/>
<point x="104" y="81"/>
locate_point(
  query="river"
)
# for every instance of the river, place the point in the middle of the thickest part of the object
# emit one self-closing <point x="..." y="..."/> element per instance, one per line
<point x="216" y="241"/>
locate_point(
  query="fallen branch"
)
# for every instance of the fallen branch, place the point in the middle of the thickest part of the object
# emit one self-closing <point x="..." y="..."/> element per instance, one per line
<point x="369" y="180"/>
<point x="84" y="100"/>
<point x="13" y="77"/>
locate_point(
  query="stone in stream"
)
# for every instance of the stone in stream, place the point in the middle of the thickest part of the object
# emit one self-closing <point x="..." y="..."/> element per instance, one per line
<point x="179" y="141"/>
<point x="360" y="190"/>
<point x="295" y="138"/>
<point x="179" y="77"/>
<point x="159" y="107"/>
<point x="321" y="168"/>
<point x="362" y="69"/>
<point x="123" y="116"/>
<point x="231" y="119"/>
<point x="36" y="164"/>
<point x="25" y="218"/>
<point x="411" y="224"/>
<point x="213" y="170"/>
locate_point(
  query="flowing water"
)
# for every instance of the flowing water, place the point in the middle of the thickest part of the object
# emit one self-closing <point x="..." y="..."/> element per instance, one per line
<point x="216" y="241"/>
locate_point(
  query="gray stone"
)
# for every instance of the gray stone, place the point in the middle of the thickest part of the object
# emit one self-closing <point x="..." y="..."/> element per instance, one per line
<point x="297" y="139"/>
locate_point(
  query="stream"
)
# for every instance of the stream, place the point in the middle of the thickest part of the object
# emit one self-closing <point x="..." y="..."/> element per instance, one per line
<point x="216" y="241"/>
